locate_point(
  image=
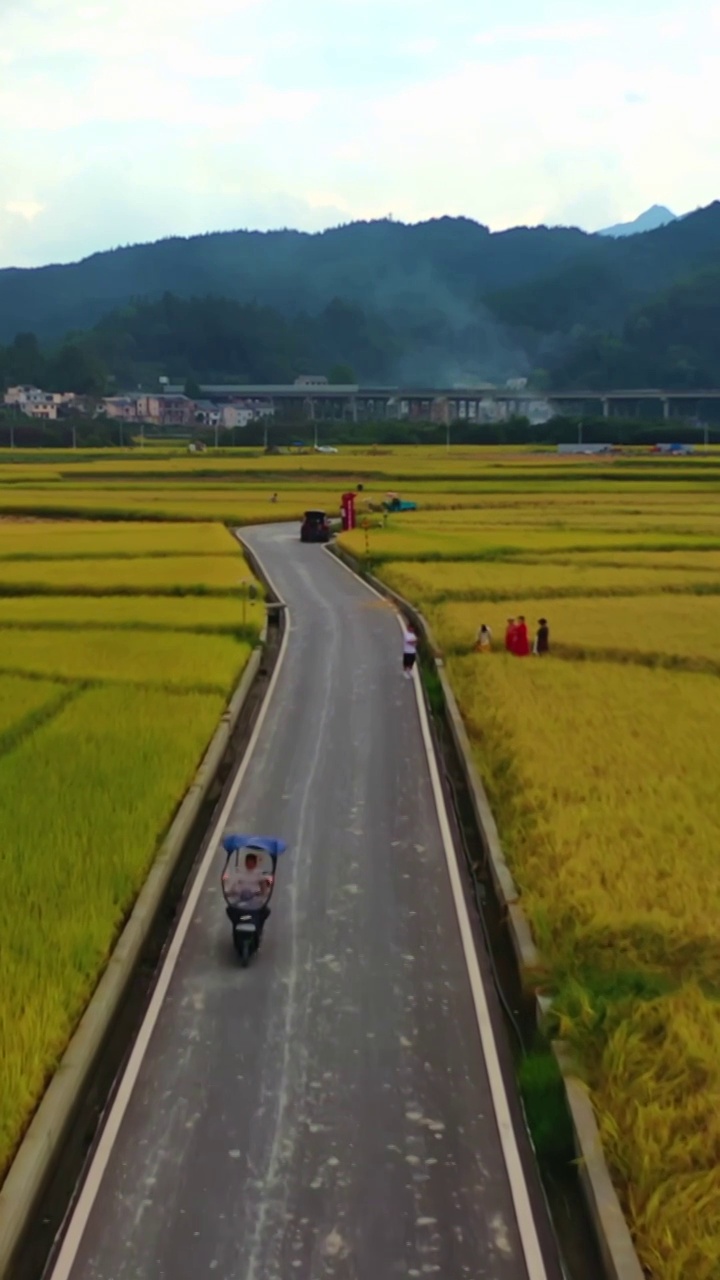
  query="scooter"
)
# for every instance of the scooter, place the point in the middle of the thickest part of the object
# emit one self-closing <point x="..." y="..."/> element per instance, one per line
<point x="248" y="881"/>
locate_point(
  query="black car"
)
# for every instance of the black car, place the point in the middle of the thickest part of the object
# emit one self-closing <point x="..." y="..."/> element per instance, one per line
<point x="315" y="527"/>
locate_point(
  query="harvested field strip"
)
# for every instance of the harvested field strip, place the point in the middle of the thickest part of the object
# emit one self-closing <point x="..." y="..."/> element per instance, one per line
<point x="509" y="579"/>
<point x="166" y="658"/>
<point x="172" y="613"/>
<point x="73" y="870"/>
<point x="671" y="629"/>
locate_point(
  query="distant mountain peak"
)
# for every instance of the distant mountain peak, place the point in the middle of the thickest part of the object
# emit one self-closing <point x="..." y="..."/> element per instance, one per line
<point x="656" y="216"/>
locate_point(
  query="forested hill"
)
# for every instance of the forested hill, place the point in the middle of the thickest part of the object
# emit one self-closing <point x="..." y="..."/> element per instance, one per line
<point x="384" y="265"/>
<point x="444" y="301"/>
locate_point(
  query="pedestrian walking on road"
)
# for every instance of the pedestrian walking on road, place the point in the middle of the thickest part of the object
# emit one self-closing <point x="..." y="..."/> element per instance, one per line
<point x="510" y="635"/>
<point x="521" y="645"/>
<point x="410" y="644"/>
<point x="542" y="638"/>
<point x="483" y="642"/>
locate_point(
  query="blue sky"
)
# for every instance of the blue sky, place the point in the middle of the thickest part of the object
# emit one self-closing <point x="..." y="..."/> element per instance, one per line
<point x="127" y="120"/>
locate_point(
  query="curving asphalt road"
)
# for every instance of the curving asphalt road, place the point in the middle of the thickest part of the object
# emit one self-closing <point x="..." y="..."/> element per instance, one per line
<point x="328" y="1112"/>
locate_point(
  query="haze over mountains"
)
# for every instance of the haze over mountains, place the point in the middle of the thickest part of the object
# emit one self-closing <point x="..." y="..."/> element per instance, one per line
<point x="441" y="302"/>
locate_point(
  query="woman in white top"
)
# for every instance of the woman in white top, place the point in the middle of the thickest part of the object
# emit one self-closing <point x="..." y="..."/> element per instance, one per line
<point x="483" y="642"/>
<point x="410" y="644"/>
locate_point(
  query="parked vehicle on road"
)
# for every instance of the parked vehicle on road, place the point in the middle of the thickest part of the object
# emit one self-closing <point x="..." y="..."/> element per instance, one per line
<point x="248" y="881"/>
<point x="315" y="527"/>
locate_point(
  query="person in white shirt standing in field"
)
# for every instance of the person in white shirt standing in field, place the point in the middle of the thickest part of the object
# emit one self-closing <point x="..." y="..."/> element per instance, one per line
<point x="410" y="644"/>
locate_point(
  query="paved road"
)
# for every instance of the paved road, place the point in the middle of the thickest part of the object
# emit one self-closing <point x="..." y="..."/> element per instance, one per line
<point x="327" y="1112"/>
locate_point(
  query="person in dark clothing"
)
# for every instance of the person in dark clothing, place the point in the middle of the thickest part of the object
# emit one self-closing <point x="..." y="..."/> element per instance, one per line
<point x="542" y="638"/>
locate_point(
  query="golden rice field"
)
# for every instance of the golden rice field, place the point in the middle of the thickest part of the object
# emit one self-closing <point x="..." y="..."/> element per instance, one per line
<point x="167" y="658"/>
<point x="403" y="539"/>
<point x="57" y="539"/>
<point x="107" y="703"/>
<point x="648" y="628"/>
<point x="21" y="699"/>
<point x="601" y="776"/>
<point x="514" y="579"/>
<point x="172" y="613"/>
<point x="598" y="759"/>
<point x="84" y="801"/>
<point x="163" y="574"/>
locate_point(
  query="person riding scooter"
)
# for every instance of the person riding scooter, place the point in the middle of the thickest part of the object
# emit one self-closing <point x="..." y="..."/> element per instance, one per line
<point x="247" y="888"/>
<point x="248" y="883"/>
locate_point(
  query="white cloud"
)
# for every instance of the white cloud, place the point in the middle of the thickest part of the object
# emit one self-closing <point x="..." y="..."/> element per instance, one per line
<point x="130" y="119"/>
<point x="27" y="209"/>
<point x="545" y="33"/>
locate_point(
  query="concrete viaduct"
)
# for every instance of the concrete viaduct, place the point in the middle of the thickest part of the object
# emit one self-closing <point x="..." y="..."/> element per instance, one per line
<point x="324" y="402"/>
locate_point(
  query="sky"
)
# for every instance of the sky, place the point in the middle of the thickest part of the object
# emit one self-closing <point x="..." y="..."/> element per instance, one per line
<point x="129" y="120"/>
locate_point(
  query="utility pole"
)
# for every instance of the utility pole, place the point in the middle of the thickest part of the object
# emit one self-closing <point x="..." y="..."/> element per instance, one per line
<point x="580" y="429"/>
<point x="447" y="435"/>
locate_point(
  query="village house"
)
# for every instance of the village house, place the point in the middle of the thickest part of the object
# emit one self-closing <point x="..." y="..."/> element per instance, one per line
<point x="35" y="403"/>
<point x="123" y="408"/>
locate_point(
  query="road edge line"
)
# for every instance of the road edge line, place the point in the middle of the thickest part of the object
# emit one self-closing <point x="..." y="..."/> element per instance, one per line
<point x="77" y="1223"/>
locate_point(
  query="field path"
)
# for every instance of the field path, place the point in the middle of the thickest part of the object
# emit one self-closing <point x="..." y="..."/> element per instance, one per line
<point x="329" y="1112"/>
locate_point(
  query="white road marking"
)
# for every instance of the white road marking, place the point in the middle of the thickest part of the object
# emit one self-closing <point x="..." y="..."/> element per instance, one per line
<point x="81" y="1214"/>
<point x="516" y="1174"/>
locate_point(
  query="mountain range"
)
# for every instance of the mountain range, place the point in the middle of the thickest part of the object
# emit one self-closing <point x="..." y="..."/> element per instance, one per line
<point x="440" y="302"/>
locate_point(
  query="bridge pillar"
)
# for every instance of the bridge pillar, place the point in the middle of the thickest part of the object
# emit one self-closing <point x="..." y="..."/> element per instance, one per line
<point x="605" y="407"/>
<point x="666" y="407"/>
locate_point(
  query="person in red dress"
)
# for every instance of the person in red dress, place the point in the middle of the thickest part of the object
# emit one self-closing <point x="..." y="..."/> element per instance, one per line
<point x="521" y="645"/>
<point x="510" y="635"/>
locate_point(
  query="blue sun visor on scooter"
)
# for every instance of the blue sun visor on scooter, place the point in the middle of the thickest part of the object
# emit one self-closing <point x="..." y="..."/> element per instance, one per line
<point x="231" y="844"/>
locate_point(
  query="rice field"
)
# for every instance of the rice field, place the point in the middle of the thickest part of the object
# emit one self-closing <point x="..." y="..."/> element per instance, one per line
<point x="161" y="574"/>
<point x="598" y="759"/>
<point x="84" y="802"/>
<point x="513" y="579"/>
<point x="21" y="700"/>
<point x="636" y="629"/>
<point x="599" y="764"/>
<point x="131" y="611"/>
<point x="108" y="699"/>
<point x="167" y="658"/>
<point x="86" y="539"/>
<point x="415" y="540"/>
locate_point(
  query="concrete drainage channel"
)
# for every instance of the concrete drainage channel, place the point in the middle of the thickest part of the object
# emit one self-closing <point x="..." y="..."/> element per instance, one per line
<point x="36" y="1242"/>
